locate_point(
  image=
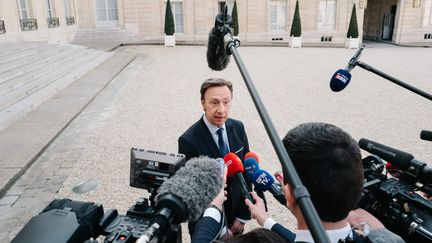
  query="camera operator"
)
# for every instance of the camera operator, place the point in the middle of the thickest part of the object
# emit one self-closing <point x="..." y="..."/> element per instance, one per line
<point x="329" y="164"/>
<point x="212" y="224"/>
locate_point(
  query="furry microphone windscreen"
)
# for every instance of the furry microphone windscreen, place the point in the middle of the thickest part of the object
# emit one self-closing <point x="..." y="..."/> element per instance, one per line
<point x="217" y="57"/>
<point x="196" y="184"/>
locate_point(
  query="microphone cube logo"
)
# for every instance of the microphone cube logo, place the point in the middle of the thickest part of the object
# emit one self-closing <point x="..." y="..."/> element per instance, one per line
<point x="262" y="179"/>
<point x="341" y="77"/>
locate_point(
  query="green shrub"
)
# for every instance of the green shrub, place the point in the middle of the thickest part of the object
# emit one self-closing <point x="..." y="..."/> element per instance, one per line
<point x="235" y="19"/>
<point x="296" y="24"/>
<point x="353" y="27"/>
<point x="169" y="20"/>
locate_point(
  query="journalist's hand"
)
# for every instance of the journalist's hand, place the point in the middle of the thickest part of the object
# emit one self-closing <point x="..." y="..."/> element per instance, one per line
<point x="220" y="198"/>
<point x="237" y="227"/>
<point x="358" y="216"/>
<point x="257" y="210"/>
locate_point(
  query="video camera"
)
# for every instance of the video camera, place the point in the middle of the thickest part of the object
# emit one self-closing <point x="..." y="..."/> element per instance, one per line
<point x="65" y="220"/>
<point x="394" y="197"/>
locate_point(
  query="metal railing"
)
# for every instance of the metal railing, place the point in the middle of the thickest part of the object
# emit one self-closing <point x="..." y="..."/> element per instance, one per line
<point x="28" y="24"/>
<point x="2" y="27"/>
<point x="53" y="22"/>
<point x="70" y="20"/>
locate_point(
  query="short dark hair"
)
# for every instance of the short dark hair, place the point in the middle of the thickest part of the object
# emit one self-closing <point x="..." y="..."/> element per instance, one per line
<point x="328" y="161"/>
<point x="258" y="235"/>
<point x="215" y="82"/>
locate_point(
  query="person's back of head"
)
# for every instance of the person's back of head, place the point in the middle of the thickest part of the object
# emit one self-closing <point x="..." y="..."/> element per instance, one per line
<point x="328" y="162"/>
<point x="258" y="235"/>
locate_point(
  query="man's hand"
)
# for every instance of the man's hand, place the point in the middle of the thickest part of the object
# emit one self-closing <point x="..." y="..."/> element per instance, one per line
<point x="220" y="198"/>
<point x="237" y="227"/>
<point x="358" y="216"/>
<point x="257" y="210"/>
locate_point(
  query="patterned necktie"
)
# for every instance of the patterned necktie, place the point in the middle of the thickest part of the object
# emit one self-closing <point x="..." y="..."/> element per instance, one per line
<point x="223" y="149"/>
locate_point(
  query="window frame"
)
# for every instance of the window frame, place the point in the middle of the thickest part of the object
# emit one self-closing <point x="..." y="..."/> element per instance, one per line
<point x="325" y="25"/>
<point x="280" y="19"/>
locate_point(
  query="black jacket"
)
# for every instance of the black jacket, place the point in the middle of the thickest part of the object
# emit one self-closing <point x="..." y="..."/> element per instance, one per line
<point x="197" y="140"/>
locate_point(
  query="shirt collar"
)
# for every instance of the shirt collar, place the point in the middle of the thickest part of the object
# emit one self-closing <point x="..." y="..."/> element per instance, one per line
<point x="212" y="128"/>
<point x="334" y="235"/>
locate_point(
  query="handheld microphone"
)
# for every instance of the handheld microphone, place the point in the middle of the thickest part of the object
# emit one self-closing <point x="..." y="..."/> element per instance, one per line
<point x="426" y="135"/>
<point x="253" y="155"/>
<point x="342" y="77"/>
<point x="265" y="182"/>
<point x="399" y="158"/>
<point x="185" y="195"/>
<point x="235" y="170"/>
<point x="250" y="165"/>
<point x="217" y="55"/>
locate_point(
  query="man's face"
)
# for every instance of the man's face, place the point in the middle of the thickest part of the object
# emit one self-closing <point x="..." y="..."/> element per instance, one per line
<point x="217" y="104"/>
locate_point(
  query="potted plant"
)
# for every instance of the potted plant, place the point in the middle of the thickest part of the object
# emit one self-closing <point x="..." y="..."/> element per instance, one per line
<point x="352" y="40"/>
<point x="169" y="26"/>
<point x="235" y="20"/>
<point x="295" y="33"/>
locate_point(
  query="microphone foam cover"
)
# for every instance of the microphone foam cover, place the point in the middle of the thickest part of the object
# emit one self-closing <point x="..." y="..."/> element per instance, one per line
<point x="340" y="80"/>
<point x="217" y="57"/>
<point x="262" y="180"/>
<point x="253" y="155"/>
<point x="196" y="184"/>
<point x="250" y="166"/>
<point x="234" y="164"/>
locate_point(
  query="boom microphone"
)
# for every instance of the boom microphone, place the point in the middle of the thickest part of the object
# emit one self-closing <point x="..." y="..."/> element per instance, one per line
<point x="185" y="195"/>
<point x="235" y="170"/>
<point x="342" y="77"/>
<point x="265" y="182"/>
<point x="217" y="56"/>
<point x="399" y="158"/>
<point x="426" y="135"/>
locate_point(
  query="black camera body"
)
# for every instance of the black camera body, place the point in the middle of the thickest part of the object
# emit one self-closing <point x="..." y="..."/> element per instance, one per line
<point x="395" y="200"/>
<point x="65" y="220"/>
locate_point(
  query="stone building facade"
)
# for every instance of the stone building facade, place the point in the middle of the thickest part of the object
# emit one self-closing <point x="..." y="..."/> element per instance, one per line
<point x="324" y="22"/>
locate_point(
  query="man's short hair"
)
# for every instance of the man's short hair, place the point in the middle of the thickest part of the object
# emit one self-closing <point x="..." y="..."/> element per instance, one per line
<point x="215" y="82"/>
<point x="328" y="161"/>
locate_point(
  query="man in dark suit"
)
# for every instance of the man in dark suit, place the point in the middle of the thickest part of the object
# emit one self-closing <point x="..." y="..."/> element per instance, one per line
<point x="328" y="162"/>
<point x="215" y="135"/>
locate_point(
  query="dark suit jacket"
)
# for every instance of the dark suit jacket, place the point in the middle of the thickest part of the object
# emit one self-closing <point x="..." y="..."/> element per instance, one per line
<point x="197" y="140"/>
<point x="206" y="230"/>
<point x="283" y="232"/>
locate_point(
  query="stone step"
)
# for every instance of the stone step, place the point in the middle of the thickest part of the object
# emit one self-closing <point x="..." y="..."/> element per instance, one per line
<point x="28" y="65"/>
<point x="23" y="53"/>
<point x="27" y="77"/>
<point x="7" y="67"/>
<point x="15" y="48"/>
<point x="36" y="56"/>
<point x="49" y="89"/>
<point x="26" y="85"/>
<point x="102" y="35"/>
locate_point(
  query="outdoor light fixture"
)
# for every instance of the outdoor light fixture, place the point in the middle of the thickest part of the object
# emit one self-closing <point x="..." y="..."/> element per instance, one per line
<point x="416" y="4"/>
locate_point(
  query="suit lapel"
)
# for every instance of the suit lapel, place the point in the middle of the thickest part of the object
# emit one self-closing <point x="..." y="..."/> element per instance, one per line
<point x="208" y="139"/>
